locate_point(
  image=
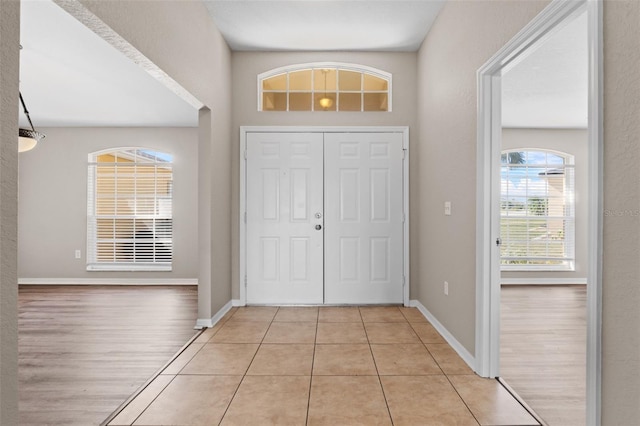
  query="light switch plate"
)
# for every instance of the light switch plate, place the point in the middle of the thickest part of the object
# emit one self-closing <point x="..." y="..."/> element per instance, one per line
<point x="447" y="208"/>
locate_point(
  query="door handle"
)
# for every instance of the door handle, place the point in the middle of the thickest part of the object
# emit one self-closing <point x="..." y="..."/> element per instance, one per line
<point x="318" y="227"/>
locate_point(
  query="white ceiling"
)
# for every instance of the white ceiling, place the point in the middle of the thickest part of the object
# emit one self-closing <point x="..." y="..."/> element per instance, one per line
<point x="324" y="25"/>
<point x="549" y="88"/>
<point x="71" y="77"/>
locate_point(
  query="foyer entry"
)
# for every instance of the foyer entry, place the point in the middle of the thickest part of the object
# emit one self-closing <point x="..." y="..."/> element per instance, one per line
<point x="325" y="217"/>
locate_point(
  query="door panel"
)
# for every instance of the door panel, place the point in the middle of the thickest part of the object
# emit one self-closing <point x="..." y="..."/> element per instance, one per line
<point x="284" y="193"/>
<point x="363" y="216"/>
<point x="353" y="181"/>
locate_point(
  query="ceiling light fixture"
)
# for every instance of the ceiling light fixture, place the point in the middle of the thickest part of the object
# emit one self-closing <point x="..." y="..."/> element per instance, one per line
<point x="325" y="101"/>
<point x="28" y="139"/>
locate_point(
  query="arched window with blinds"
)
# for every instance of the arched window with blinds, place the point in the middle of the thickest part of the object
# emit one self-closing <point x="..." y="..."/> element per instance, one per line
<point x="129" y="211"/>
<point x="537" y="211"/>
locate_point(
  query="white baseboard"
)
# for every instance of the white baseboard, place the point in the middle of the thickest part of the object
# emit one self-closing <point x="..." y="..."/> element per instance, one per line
<point x="237" y="302"/>
<point x="108" y="281"/>
<point x="210" y="322"/>
<point x="453" y="342"/>
<point x="543" y="281"/>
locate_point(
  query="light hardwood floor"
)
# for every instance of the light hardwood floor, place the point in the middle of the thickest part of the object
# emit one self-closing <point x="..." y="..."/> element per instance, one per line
<point x="543" y="349"/>
<point x="84" y="349"/>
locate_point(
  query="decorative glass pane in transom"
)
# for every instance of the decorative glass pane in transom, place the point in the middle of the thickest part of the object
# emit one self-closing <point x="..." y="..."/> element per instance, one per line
<point x="300" y="80"/>
<point x="325" y="87"/>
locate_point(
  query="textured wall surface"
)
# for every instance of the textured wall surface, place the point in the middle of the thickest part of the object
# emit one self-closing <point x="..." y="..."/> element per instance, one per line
<point x="247" y="66"/>
<point x="192" y="52"/>
<point x="464" y="36"/>
<point x="621" y="265"/>
<point x="9" y="60"/>
<point x="53" y="179"/>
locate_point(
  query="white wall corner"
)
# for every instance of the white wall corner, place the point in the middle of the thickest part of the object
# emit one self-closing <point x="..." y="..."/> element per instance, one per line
<point x="237" y="302"/>
<point x="453" y="342"/>
<point x="210" y="322"/>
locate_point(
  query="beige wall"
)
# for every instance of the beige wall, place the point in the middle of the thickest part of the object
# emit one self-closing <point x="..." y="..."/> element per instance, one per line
<point x="465" y="35"/>
<point x="180" y="38"/>
<point x="247" y="66"/>
<point x="621" y="269"/>
<point x="570" y="141"/>
<point x="9" y="63"/>
<point x="53" y="179"/>
<point x="462" y="39"/>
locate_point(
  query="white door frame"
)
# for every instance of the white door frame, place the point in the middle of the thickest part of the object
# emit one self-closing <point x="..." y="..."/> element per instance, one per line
<point x="242" y="272"/>
<point x="488" y="190"/>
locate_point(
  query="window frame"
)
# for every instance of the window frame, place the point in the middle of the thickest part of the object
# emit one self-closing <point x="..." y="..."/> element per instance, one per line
<point x="338" y="66"/>
<point x="569" y="220"/>
<point x="93" y="264"/>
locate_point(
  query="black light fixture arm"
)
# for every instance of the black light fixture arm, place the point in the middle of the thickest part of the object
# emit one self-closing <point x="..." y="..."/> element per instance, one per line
<point x="24" y="107"/>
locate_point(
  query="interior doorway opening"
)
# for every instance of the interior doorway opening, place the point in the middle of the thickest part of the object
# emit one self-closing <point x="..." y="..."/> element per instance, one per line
<point x="490" y="131"/>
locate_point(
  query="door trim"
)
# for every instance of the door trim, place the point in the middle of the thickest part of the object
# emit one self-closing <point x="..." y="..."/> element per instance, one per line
<point x="488" y="191"/>
<point x="244" y="130"/>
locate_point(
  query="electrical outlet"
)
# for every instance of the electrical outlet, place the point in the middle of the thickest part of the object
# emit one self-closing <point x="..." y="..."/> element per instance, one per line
<point x="447" y="208"/>
<point x="446" y="288"/>
<point x="78" y="254"/>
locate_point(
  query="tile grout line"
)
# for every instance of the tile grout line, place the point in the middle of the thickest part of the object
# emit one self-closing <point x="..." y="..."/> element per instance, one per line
<point x="521" y="401"/>
<point x="375" y="364"/>
<point x="137" y="393"/>
<point x="313" y="359"/>
<point x="248" y="366"/>
<point x="461" y="398"/>
<point x="175" y="357"/>
<point x="154" y="399"/>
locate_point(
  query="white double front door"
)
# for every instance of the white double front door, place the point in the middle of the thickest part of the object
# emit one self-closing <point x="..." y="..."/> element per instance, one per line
<point x="324" y="218"/>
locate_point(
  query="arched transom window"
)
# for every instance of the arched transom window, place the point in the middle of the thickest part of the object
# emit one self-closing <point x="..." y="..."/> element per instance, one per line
<point x="537" y="221"/>
<point x="324" y="87"/>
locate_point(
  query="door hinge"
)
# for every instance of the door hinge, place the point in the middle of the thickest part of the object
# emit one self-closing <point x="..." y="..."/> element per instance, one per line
<point x="498" y="241"/>
<point x="404" y="281"/>
<point x="404" y="154"/>
<point x="245" y="281"/>
<point x="245" y="154"/>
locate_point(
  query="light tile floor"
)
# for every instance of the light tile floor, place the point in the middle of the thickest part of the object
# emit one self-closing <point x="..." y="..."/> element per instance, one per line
<point x="322" y="366"/>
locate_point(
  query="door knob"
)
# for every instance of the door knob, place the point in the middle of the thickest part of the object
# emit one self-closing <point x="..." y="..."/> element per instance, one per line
<point x="318" y="227"/>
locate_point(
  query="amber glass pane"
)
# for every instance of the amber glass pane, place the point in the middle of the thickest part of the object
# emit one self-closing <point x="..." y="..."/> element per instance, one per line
<point x="317" y="106"/>
<point x="274" y="101"/>
<point x="106" y="158"/>
<point x="372" y="83"/>
<point x="319" y="80"/>
<point x="350" y="81"/>
<point x="277" y="82"/>
<point x="299" y="101"/>
<point x="375" y="102"/>
<point x="126" y="156"/>
<point x="350" y="102"/>
<point x="300" y="80"/>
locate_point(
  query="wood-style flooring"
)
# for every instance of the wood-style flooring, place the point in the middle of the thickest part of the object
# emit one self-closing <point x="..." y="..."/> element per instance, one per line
<point x="83" y="350"/>
<point x="543" y="349"/>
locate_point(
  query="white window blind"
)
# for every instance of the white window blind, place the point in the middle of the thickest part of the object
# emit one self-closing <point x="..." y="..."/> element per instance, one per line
<point x="129" y="220"/>
<point x="537" y="223"/>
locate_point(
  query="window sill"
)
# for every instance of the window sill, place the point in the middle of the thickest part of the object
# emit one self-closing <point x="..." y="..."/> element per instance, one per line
<point x="129" y="267"/>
